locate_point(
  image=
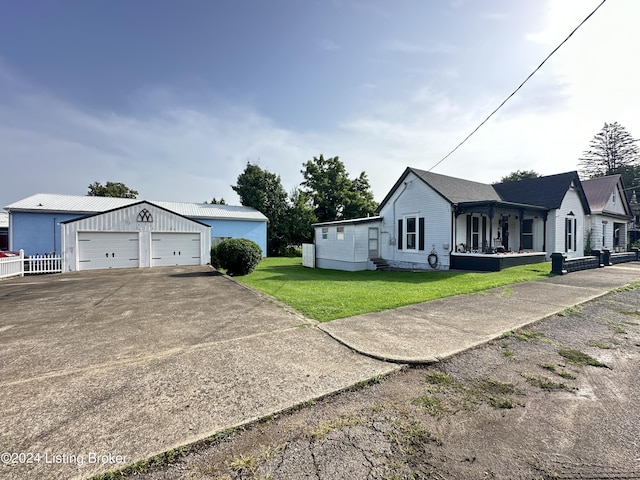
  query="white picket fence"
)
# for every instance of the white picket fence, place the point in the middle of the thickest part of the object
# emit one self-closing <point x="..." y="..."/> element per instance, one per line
<point x="19" y="265"/>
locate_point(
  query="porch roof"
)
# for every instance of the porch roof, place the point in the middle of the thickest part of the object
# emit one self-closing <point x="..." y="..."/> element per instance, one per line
<point x="483" y="205"/>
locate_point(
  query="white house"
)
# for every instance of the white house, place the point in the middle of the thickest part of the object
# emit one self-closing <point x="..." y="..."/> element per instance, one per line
<point x="433" y="221"/>
<point x="611" y="214"/>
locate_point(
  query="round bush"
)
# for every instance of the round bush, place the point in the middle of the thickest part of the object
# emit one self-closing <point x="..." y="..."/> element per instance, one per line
<point x="238" y="256"/>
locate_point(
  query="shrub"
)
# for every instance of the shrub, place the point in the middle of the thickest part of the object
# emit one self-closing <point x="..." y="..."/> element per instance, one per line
<point x="292" y="251"/>
<point x="238" y="256"/>
<point x="215" y="261"/>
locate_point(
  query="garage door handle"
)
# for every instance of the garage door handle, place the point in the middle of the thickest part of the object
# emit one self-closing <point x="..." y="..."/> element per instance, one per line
<point x="107" y="254"/>
<point x="113" y="255"/>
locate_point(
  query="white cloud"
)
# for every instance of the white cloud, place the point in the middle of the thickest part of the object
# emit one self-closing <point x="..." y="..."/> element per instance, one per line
<point x="170" y="151"/>
<point x="175" y="153"/>
<point x="401" y="46"/>
<point x="327" y="45"/>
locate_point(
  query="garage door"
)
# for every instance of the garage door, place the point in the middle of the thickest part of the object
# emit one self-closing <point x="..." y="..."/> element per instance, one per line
<point x="107" y="250"/>
<point x="175" y="249"/>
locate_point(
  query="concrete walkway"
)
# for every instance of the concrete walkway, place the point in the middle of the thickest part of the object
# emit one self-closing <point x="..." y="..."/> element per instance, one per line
<point x="430" y="331"/>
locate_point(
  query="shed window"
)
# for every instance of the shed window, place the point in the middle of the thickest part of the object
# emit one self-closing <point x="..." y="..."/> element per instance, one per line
<point x="325" y="233"/>
<point x="340" y="233"/>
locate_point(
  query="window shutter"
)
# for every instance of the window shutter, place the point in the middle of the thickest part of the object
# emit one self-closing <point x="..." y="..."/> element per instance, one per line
<point x="566" y="234"/>
<point x="468" y="231"/>
<point x="400" y="234"/>
<point x="575" y="235"/>
<point x="421" y="233"/>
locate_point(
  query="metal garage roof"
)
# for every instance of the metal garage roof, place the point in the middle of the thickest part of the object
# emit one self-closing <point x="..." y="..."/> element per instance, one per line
<point x="51" y="202"/>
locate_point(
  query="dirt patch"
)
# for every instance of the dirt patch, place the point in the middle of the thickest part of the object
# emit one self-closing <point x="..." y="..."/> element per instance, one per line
<point x="556" y="400"/>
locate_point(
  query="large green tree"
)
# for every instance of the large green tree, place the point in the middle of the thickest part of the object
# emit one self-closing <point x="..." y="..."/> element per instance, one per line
<point x="111" y="189"/>
<point x="333" y="194"/>
<point x="612" y="150"/>
<point x="299" y="218"/>
<point x="263" y="191"/>
<point x="519" y="175"/>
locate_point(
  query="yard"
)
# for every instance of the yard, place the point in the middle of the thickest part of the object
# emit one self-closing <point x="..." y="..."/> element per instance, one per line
<point x="325" y="295"/>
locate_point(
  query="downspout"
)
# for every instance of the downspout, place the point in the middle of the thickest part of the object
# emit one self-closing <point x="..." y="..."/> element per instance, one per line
<point x="394" y="227"/>
<point x="10" y="246"/>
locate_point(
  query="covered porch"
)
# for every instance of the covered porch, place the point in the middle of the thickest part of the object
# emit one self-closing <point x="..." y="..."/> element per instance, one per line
<point x="492" y="235"/>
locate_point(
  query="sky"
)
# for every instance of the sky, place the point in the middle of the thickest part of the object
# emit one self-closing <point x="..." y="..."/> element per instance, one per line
<point x="175" y="98"/>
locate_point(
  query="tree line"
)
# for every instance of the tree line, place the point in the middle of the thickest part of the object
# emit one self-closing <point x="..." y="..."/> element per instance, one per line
<point x="611" y="151"/>
<point x="326" y="193"/>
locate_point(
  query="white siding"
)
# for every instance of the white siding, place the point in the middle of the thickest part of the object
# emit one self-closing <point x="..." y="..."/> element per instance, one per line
<point x="556" y="225"/>
<point x="353" y="249"/>
<point x="417" y="198"/>
<point x="126" y="220"/>
<point x="615" y="204"/>
<point x="596" y="224"/>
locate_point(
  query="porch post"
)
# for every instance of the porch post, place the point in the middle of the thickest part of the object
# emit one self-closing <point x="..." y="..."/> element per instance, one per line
<point x="521" y="218"/>
<point x="491" y="212"/>
<point x="544" y="231"/>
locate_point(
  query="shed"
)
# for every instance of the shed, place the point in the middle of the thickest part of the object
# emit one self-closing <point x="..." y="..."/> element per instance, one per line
<point x="138" y="235"/>
<point x="348" y="244"/>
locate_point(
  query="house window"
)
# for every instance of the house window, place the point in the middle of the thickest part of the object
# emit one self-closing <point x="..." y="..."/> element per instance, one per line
<point x="527" y="234"/>
<point x="340" y="233"/>
<point x="325" y="233"/>
<point x="475" y="233"/>
<point x="411" y="233"/>
<point x="604" y="234"/>
<point x="570" y="240"/>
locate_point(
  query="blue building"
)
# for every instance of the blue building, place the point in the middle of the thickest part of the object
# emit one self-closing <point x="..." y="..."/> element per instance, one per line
<point x="36" y="223"/>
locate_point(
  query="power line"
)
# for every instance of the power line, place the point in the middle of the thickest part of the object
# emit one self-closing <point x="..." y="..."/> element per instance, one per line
<point x="519" y="87"/>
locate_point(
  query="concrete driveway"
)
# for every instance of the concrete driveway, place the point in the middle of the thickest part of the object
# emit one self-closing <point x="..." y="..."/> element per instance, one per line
<point x="101" y="369"/>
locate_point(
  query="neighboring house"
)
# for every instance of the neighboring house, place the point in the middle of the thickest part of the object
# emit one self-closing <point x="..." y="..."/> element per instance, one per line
<point x="611" y="213"/>
<point x="4" y="230"/>
<point x="429" y="220"/>
<point x="47" y="223"/>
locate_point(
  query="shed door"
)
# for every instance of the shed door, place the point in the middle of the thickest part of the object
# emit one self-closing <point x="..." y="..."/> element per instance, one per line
<point x="97" y="250"/>
<point x="374" y="249"/>
<point x="169" y="249"/>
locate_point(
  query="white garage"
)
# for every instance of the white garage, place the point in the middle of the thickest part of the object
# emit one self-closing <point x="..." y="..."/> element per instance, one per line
<point x="174" y="248"/>
<point x="137" y="235"/>
<point x="108" y="250"/>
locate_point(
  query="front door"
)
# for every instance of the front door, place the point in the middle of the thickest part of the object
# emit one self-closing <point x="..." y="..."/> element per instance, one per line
<point x="374" y="248"/>
<point x="505" y="233"/>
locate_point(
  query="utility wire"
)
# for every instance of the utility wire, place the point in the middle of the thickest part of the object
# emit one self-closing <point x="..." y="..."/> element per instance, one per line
<point x="519" y="87"/>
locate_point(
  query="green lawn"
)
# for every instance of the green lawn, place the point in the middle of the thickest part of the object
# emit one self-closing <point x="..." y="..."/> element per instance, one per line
<point x="329" y="294"/>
